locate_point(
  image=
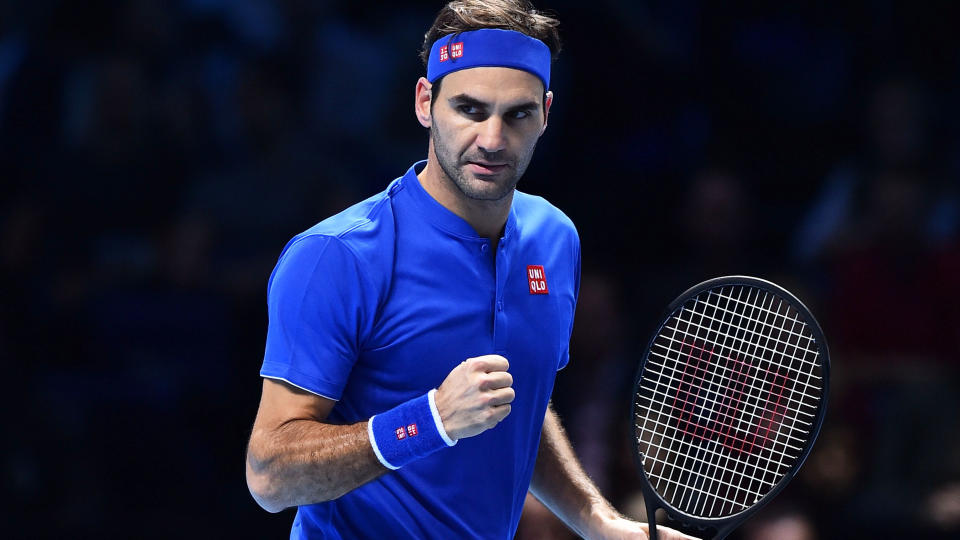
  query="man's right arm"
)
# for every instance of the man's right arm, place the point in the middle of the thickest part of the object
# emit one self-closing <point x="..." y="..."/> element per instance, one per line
<point x="295" y="458"/>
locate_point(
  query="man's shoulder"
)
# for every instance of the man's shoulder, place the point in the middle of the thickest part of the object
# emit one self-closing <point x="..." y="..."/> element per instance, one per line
<point x="535" y="211"/>
<point x="354" y="220"/>
<point x="365" y="230"/>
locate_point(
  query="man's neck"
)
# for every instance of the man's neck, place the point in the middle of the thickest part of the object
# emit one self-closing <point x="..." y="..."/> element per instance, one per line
<point x="488" y="218"/>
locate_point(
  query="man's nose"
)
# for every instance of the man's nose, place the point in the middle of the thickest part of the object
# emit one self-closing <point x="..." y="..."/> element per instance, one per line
<point x="491" y="137"/>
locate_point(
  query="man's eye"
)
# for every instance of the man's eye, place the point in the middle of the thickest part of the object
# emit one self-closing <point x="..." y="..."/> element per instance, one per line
<point x="469" y="109"/>
<point x="520" y="114"/>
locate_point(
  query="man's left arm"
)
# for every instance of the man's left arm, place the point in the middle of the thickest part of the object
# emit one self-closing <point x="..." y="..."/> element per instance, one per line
<point x="561" y="484"/>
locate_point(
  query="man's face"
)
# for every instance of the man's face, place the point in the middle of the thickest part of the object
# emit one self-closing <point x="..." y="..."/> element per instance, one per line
<point x="485" y="124"/>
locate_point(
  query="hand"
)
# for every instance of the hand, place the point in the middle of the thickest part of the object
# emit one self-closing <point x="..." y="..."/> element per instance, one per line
<point x="475" y="396"/>
<point x="622" y="528"/>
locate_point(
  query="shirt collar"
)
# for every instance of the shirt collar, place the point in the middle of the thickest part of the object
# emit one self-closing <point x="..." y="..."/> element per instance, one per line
<point x="437" y="214"/>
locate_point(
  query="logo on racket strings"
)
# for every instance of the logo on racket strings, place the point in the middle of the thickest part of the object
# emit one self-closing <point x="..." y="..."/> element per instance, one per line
<point x="730" y="400"/>
<point x="537" y="279"/>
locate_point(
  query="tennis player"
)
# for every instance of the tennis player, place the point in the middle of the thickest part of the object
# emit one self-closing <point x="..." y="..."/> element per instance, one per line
<point x="414" y="338"/>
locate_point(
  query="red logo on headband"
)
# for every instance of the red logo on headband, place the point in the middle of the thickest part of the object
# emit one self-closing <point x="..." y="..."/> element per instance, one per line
<point x="456" y="51"/>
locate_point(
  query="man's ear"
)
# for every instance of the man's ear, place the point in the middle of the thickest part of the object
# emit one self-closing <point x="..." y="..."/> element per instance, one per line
<point x="546" y="110"/>
<point x="421" y="102"/>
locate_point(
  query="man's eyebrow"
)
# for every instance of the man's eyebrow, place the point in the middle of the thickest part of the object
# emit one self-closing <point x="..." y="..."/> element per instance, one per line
<point x="525" y="106"/>
<point x="464" y="99"/>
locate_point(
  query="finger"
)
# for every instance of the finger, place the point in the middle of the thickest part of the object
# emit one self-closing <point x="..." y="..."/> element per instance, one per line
<point x="496" y="380"/>
<point x="500" y="412"/>
<point x="673" y="534"/>
<point x="490" y="363"/>
<point x="502" y="396"/>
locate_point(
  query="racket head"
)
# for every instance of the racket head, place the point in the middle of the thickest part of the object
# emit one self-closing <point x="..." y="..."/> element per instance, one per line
<point x="728" y="401"/>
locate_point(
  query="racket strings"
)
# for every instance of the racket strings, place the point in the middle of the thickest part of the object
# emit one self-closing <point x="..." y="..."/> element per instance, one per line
<point x="726" y="379"/>
<point x="778" y="344"/>
<point x="725" y="433"/>
<point x="726" y="399"/>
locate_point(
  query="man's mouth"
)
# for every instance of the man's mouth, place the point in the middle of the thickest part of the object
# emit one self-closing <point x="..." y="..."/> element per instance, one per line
<point x="483" y="167"/>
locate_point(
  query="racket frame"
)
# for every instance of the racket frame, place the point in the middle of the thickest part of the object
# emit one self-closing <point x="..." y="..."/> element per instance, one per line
<point x="725" y="525"/>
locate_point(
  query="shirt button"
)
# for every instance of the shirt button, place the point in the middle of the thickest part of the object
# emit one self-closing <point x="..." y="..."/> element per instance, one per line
<point x="484" y="248"/>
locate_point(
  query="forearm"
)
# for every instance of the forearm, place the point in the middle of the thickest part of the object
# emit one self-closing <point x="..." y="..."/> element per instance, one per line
<point x="561" y="484"/>
<point x="305" y="462"/>
<point x="294" y="458"/>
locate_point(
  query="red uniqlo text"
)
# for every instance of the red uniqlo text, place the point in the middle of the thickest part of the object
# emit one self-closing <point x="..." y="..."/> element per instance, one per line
<point x="455" y="51"/>
<point x="537" y="279"/>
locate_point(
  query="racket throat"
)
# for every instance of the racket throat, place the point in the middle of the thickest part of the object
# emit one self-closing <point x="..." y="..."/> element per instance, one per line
<point x="651" y="517"/>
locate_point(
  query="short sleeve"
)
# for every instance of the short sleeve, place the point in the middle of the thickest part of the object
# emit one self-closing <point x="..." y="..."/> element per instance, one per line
<point x="320" y="307"/>
<point x="565" y="357"/>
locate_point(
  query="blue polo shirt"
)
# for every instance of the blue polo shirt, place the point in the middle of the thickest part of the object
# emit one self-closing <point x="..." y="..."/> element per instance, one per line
<point x="376" y="305"/>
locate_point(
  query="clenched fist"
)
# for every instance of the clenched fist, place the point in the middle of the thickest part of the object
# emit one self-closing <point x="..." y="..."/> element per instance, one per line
<point x="475" y="396"/>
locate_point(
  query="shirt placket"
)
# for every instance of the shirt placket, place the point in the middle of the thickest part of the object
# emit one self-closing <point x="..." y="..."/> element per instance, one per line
<point x="500" y="319"/>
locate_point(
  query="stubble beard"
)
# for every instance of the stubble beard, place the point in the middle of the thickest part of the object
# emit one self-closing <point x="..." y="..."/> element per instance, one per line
<point x="475" y="188"/>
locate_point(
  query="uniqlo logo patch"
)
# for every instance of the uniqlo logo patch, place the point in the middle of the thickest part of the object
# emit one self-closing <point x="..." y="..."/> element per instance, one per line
<point x="411" y="429"/>
<point x="537" y="279"/>
<point x="455" y="51"/>
<point x="400" y="433"/>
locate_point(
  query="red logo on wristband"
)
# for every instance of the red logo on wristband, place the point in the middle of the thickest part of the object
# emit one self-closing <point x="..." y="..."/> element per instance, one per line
<point x="400" y="433"/>
<point x="412" y="430"/>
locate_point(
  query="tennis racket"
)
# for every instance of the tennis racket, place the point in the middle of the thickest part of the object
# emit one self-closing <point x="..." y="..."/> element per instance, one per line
<point x="728" y="401"/>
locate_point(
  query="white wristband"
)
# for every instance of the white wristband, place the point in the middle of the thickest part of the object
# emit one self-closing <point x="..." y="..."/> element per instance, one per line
<point x="436" y="418"/>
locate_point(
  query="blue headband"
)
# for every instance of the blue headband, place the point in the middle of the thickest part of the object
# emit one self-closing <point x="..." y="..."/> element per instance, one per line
<point x="489" y="47"/>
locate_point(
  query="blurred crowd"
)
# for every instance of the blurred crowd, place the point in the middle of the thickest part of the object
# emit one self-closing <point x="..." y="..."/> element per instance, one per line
<point x="156" y="156"/>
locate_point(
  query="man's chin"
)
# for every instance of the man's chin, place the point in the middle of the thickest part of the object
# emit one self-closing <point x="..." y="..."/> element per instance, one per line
<point x="482" y="187"/>
<point x="496" y="194"/>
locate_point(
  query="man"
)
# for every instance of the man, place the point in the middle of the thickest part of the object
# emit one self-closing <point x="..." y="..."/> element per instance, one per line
<point x="414" y="337"/>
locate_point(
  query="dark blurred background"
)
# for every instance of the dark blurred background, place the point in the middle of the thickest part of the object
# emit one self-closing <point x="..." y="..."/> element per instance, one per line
<point x="156" y="155"/>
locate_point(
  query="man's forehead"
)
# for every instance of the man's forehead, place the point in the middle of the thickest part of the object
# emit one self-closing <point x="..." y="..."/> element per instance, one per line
<point x="494" y="84"/>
